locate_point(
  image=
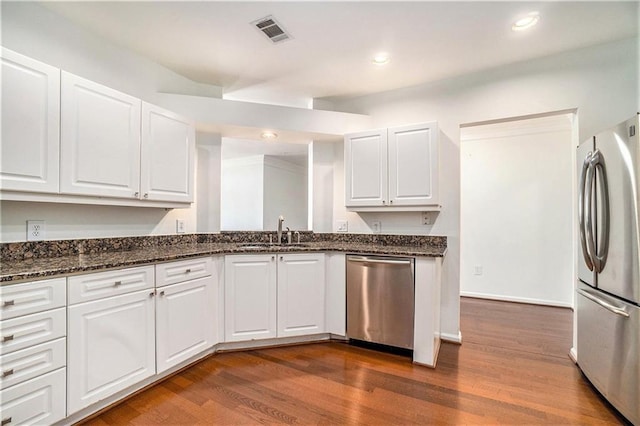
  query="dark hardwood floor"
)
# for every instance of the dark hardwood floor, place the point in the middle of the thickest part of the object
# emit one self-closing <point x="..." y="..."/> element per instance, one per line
<point x="512" y="368"/>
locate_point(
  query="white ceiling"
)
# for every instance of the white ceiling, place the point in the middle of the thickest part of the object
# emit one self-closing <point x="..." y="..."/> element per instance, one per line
<point x="333" y="42"/>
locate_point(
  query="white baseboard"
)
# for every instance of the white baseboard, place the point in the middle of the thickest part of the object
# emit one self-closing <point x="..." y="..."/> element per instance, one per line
<point x="573" y="354"/>
<point x="516" y="299"/>
<point x="451" y="338"/>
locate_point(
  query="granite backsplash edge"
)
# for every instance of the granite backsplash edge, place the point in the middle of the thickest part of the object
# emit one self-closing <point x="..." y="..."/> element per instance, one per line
<point x="16" y="251"/>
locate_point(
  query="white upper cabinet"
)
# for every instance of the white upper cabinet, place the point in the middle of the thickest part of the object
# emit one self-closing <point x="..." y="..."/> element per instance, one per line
<point x="413" y="165"/>
<point x="365" y="160"/>
<point x="168" y="150"/>
<point x="392" y="169"/>
<point x="100" y="140"/>
<point x="30" y="124"/>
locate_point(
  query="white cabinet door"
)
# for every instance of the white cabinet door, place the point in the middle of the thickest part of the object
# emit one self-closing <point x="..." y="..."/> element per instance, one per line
<point x="168" y="153"/>
<point x="250" y="297"/>
<point x="111" y="345"/>
<point x="100" y="140"/>
<point x="30" y="124"/>
<point x="38" y="401"/>
<point x="413" y="165"/>
<point x="365" y="159"/>
<point x="185" y="320"/>
<point x="301" y="294"/>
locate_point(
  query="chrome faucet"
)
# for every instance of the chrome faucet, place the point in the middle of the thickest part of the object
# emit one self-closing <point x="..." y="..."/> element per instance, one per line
<point x="280" y="220"/>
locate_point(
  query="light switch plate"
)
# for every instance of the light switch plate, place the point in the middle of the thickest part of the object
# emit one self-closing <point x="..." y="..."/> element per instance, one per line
<point x="426" y="218"/>
<point x="35" y="230"/>
<point x="342" y="225"/>
<point x="181" y="228"/>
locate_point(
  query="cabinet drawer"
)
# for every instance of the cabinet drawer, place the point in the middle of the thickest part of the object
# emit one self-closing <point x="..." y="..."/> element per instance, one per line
<point x="23" y="365"/>
<point x="183" y="270"/>
<point x="32" y="297"/>
<point x="19" y="333"/>
<point x="83" y="288"/>
<point x="38" y="401"/>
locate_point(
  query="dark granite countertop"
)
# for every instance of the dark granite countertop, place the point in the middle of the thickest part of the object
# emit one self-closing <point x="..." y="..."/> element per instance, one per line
<point x="43" y="267"/>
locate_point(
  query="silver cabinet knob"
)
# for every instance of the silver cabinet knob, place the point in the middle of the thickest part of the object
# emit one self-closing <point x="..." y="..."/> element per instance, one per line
<point x="146" y="195"/>
<point x="136" y="194"/>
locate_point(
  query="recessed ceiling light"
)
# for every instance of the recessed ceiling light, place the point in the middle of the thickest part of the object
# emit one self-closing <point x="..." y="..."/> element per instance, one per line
<point x="526" y="22"/>
<point x="381" y="58"/>
<point x="269" y="135"/>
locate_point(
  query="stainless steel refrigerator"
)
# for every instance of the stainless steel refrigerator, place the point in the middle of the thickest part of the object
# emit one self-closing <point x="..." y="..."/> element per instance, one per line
<point x="608" y="293"/>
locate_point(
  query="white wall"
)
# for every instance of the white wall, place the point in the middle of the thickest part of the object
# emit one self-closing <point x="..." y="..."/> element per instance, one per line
<point x="517" y="209"/>
<point x="242" y="194"/>
<point x="321" y="161"/>
<point x="208" y="175"/>
<point x="601" y="82"/>
<point x="285" y="193"/>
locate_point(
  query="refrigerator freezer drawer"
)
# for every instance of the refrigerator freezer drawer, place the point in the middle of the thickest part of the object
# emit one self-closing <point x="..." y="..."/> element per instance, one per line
<point x="609" y="348"/>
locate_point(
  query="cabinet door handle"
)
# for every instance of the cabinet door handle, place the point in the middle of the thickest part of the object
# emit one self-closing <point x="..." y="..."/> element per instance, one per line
<point x="146" y="195"/>
<point x="9" y="303"/>
<point x="7" y="372"/>
<point x="281" y="258"/>
<point x="7" y="338"/>
<point x="153" y="293"/>
<point x="162" y="293"/>
<point x="391" y="202"/>
<point x="136" y="194"/>
<point x="187" y="271"/>
<point x="273" y="258"/>
<point x="384" y="202"/>
<point x="5" y="421"/>
<point x="117" y="283"/>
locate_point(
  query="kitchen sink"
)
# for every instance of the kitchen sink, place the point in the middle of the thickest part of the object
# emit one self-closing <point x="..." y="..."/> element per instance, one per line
<point x="258" y="245"/>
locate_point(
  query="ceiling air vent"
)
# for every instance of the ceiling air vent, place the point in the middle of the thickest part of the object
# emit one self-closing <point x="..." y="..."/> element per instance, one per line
<point x="272" y="29"/>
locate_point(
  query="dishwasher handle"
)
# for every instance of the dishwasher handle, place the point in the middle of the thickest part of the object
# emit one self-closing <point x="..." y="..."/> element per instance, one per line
<point x="383" y="261"/>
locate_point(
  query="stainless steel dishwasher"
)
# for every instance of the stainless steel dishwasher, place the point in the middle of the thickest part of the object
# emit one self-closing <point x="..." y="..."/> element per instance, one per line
<point x="380" y="300"/>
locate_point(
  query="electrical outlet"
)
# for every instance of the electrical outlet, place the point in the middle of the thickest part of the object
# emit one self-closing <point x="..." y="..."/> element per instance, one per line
<point x="477" y="270"/>
<point x="181" y="228"/>
<point x="35" y="230"/>
<point x="342" y="225"/>
<point x="376" y="226"/>
<point x="426" y="218"/>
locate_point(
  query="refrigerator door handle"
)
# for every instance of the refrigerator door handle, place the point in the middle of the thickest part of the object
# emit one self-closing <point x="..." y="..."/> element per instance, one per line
<point x="582" y="212"/>
<point x="608" y="306"/>
<point x="590" y="236"/>
<point x="598" y="164"/>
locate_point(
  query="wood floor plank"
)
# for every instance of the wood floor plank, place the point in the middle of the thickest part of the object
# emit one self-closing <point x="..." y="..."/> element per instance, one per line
<point x="512" y="368"/>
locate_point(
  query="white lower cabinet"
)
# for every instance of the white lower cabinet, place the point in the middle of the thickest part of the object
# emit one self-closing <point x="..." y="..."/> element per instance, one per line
<point x="265" y="298"/>
<point x="34" y="402"/>
<point x="111" y="346"/>
<point x="301" y="294"/>
<point x="185" y="320"/>
<point x="250" y="297"/>
<point x="32" y="352"/>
